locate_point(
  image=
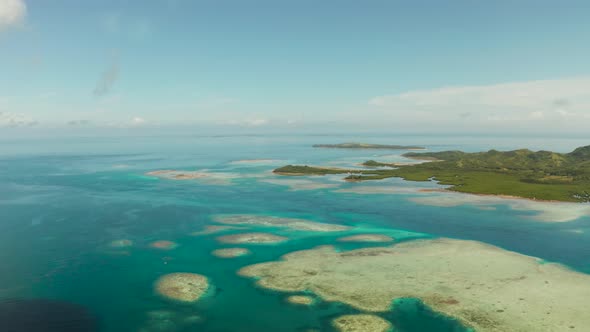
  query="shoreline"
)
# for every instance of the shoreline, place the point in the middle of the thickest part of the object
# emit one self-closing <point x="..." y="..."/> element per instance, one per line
<point x="502" y="196"/>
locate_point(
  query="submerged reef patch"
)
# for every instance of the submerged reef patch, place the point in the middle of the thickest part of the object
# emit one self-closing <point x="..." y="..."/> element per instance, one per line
<point x="361" y="323"/>
<point x="271" y="221"/>
<point x="301" y="300"/>
<point x="208" y="177"/>
<point x="231" y="252"/>
<point x="212" y="229"/>
<point x="121" y="243"/>
<point x="184" y="287"/>
<point x="484" y="287"/>
<point x="163" y="245"/>
<point x="169" y="321"/>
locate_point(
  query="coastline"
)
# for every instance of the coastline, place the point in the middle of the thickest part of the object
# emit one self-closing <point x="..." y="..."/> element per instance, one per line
<point x="503" y="196"/>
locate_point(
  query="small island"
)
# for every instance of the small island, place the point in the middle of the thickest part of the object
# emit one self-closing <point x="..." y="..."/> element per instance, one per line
<point x="540" y="175"/>
<point x="369" y="146"/>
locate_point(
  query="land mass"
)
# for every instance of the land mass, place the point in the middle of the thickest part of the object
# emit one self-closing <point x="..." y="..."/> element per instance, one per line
<point x="368" y="146"/>
<point x="540" y="175"/>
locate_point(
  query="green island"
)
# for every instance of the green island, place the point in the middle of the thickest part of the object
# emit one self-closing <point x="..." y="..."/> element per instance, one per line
<point x="369" y="146"/>
<point x="540" y="175"/>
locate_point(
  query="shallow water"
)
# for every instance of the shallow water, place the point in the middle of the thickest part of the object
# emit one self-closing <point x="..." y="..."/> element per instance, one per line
<point x="62" y="203"/>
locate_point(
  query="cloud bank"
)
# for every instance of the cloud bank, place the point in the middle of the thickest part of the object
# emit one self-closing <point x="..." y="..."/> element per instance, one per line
<point x="8" y="119"/>
<point x="544" y="104"/>
<point x="12" y="13"/>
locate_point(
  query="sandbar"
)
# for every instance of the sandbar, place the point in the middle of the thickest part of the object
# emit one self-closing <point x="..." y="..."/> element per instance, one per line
<point x="184" y="287"/>
<point x="252" y="238"/>
<point x="485" y="287"/>
<point x="366" y="238"/>
<point x="271" y="221"/>
<point x="361" y="323"/>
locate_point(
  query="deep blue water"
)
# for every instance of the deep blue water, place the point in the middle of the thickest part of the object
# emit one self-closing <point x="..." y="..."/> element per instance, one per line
<point x="63" y="200"/>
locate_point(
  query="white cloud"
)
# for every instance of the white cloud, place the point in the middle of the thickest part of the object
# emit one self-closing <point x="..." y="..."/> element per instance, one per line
<point x="547" y="102"/>
<point x="12" y="13"/>
<point x="137" y="121"/>
<point x="256" y="122"/>
<point x="8" y="119"/>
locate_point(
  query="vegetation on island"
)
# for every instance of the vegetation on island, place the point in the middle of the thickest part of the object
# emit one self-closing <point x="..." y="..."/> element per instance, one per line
<point x="542" y="175"/>
<point x="368" y="146"/>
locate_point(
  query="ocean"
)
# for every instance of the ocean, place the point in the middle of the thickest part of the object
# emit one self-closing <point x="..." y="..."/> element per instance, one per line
<point x="63" y="201"/>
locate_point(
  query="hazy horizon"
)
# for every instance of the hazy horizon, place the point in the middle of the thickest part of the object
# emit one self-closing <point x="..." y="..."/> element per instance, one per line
<point x="264" y="66"/>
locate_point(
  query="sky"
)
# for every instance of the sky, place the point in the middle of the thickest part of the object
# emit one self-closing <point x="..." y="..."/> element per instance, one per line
<point x="413" y="66"/>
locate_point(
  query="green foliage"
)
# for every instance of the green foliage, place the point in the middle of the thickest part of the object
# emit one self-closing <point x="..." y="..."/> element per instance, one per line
<point x="308" y="170"/>
<point x="543" y="175"/>
<point x="373" y="163"/>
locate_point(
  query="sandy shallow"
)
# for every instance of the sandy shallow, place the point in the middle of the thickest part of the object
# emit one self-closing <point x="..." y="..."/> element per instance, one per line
<point x="252" y="238"/>
<point x="177" y="174"/>
<point x="122" y="243"/>
<point x="361" y="323"/>
<point x="213" y="229"/>
<point x="485" y="287"/>
<point x="366" y="238"/>
<point x="206" y="176"/>
<point x="542" y="211"/>
<point x="230" y="252"/>
<point x="184" y="287"/>
<point x="385" y="189"/>
<point x="300" y="184"/>
<point x="270" y="221"/>
<point x="257" y="162"/>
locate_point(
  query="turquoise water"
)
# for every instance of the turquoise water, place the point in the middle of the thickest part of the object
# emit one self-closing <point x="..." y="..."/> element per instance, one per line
<point x="63" y="201"/>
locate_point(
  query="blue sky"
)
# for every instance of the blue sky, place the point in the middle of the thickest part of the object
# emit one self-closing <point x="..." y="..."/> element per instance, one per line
<point x="373" y="64"/>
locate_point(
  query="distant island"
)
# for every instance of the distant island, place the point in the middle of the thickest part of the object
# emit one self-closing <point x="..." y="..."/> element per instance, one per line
<point x="368" y="146"/>
<point x="541" y="175"/>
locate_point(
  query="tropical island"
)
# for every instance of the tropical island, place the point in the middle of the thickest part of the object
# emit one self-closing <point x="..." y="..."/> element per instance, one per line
<point x="540" y="175"/>
<point x="368" y="146"/>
